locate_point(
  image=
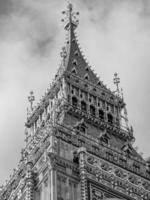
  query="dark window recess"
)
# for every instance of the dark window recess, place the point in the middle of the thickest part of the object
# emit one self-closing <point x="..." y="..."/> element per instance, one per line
<point x="73" y="40"/>
<point x="60" y="198"/>
<point x="105" y="138"/>
<point x="87" y="69"/>
<point x="74" y="101"/>
<point x="110" y="118"/>
<point x="75" y="157"/>
<point x="82" y="129"/>
<point x="94" y="89"/>
<point x="74" y="62"/>
<point x="92" y="110"/>
<point x="86" y="77"/>
<point x="83" y="106"/>
<point x="117" y="121"/>
<point x="68" y="98"/>
<point x="74" y="71"/>
<point x="77" y="80"/>
<point x="101" y="114"/>
<point x="76" y="53"/>
<point x="112" y="98"/>
<point x="99" y="83"/>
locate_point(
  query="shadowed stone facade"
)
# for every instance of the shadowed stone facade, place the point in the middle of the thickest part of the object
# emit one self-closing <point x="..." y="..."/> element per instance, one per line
<point x="76" y="145"/>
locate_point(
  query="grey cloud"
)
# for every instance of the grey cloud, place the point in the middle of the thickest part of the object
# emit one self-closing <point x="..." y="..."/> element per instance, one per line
<point x="100" y="11"/>
<point x="5" y="7"/>
<point x="42" y="46"/>
<point x="29" y="25"/>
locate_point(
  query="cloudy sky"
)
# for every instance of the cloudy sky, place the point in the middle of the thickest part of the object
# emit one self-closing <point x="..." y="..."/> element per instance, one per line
<point x="114" y="36"/>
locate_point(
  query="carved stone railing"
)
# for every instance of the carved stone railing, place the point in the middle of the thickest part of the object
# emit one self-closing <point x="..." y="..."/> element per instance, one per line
<point x="117" y="179"/>
<point x="104" y="151"/>
<point x="109" y="93"/>
<point x="115" y="129"/>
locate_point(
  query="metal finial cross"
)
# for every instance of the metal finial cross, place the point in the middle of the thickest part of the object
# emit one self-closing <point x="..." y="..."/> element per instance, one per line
<point x="71" y="17"/>
<point x="116" y="81"/>
<point x="31" y="99"/>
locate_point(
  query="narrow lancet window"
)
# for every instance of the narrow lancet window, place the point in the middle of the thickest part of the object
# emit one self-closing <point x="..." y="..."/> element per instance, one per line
<point x="92" y="110"/>
<point x="74" y="101"/>
<point x="110" y="118"/>
<point x="83" y="106"/>
<point x="101" y="114"/>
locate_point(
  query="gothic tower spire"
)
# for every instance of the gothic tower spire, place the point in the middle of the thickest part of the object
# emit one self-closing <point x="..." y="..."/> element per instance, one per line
<point x="76" y="146"/>
<point x="74" y="59"/>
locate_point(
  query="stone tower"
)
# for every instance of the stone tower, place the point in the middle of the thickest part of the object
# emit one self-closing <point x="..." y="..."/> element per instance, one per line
<point x="77" y="147"/>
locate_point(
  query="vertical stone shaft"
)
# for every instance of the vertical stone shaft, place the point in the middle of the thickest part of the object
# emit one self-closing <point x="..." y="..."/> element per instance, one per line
<point x="29" y="182"/>
<point x="83" y="176"/>
<point x="52" y="151"/>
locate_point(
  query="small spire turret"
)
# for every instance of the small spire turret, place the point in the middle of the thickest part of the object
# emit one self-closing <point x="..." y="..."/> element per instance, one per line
<point x="116" y="82"/>
<point x="31" y="99"/>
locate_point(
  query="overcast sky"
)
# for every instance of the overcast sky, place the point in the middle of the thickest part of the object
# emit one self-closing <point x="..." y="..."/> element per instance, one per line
<point x="114" y="36"/>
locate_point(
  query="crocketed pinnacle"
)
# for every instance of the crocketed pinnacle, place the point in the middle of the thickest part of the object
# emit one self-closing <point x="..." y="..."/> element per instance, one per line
<point x="74" y="60"/>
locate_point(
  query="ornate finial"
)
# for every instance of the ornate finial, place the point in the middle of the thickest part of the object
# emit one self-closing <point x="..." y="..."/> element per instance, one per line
<point x="31" y="99"/>
<point x="116" y="82"/>
<point x="63" y="52"/>
<point x="70" y="17"/>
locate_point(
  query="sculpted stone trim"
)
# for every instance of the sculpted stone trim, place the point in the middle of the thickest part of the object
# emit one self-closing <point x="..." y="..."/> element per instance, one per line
<point x="72" y="79"/>
<point x="61" y="162"/>
<point x="101" y="151"/>
<point x="112" y="128"/>
<point x="52" y="159"/>
<point x="29" y="182"/>
<point x="116" y="178"/>
<point x="13" y="183"/>
<point x="18" y="174"/>
<point x="99" y="192"/>
<point x="83" y="176"/>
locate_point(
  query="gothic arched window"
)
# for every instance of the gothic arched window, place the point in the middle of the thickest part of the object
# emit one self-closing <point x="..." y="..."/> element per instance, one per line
<point x="83" y="106"/>
<point x="92" y="110"/>
<point x="74" y="101"/>
<point x="101" y="114"/>
<point x="110" y="118"/>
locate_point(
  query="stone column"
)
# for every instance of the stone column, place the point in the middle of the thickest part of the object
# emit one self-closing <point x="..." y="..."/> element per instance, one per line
<point x="52" y="152"/>
<point x="29" y="181"/>
<point x="68" y="189"/>
<point x="83" y="175"/>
